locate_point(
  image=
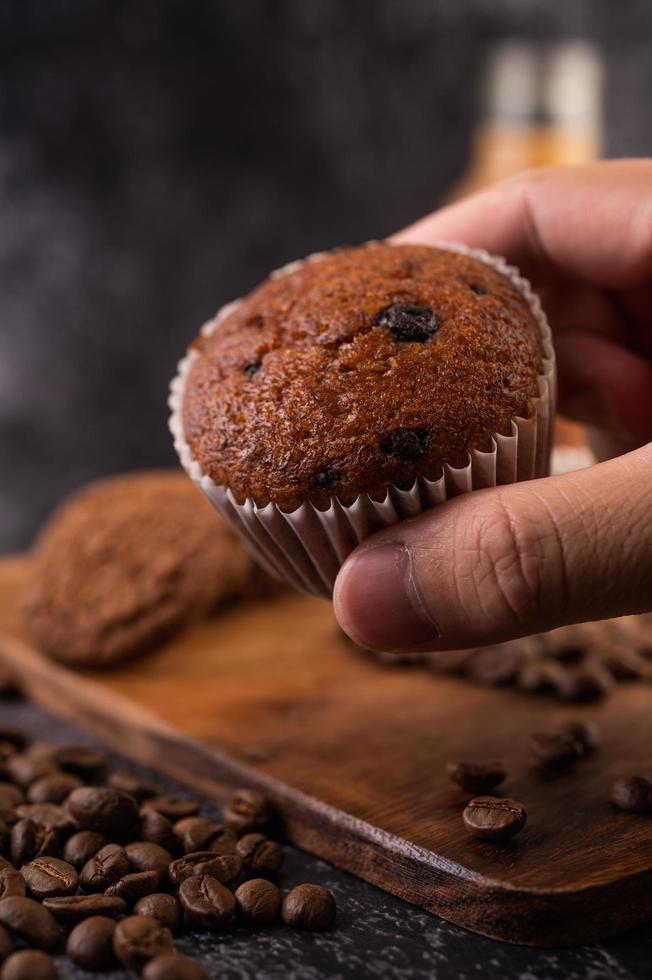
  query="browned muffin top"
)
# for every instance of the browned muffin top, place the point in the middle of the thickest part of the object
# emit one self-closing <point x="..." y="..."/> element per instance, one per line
<point x="124" y="563"/>
<point x="368" y="367"/>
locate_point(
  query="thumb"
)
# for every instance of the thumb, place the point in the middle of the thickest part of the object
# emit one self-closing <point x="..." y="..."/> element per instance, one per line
<point x="505" y="562"/>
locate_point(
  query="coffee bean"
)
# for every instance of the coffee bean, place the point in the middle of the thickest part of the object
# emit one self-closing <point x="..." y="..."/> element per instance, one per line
<point x="138" y="939"/>
<point x="259" y="901"/>
<point x="75" y="908"/>
<point x="495" y="666"/>
<point x="49" y="816"/>
<point x="539" y="677"/>
<point x="206" y="902"/>
<point x="25" y="768"/>
<point x="476" y="777"/>
<point x="30" y="840"/>
<point x="556" y="749"/>
<point x="632" y="793"/>
<point x="248" y="810"/>
<point x="172" y="807"/>
<point x="11" y="882"/>
<point x="29" y="964"/>
<point x="585" y="733"/>
<point x="14" y="736"/>
<point x="309" y="907"/>
<point x="128" y="783"/>
<point x="105" y="868"/>
<point x="259" y="854"/>
<point x="133" y="886"/>
<point x="408" y="323"/>
<point x="46" y="877"/>
<point x="6" y="945"/>
<point x="197" y="834"/>
<point x="28" y="920"/>
<point x="173" y="966"/>
<point x="108" y="811"/>
<point x="82" y="846"/>
<point x="90" y="944"/>
<point x="80" y="761"/>
<point x="145" y="856"/>
<point x="54" y="788"/>
<point x="405" y="444"/>
<point x="10" y="796"/>
<point x="157" y="829"/>
<point x="224" y="867"/>
<point x="165" y="908"/>
<point x="495" y="819"/>
<point x="585" y="683"/>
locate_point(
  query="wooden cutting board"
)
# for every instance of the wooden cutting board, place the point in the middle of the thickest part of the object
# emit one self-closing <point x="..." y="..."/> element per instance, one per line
<point x="354" y="754"/>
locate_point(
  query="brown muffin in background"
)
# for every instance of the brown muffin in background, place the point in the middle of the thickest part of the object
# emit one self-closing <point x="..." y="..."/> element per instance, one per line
<point x="126" y="562"/>
<point x="371" y="366"/>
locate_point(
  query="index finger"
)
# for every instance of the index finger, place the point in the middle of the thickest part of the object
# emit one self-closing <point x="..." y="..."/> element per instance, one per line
<point x="592" y="223"/>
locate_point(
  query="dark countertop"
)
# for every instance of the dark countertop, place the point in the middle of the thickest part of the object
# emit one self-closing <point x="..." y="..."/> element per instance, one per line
<point x="376" y="936"/>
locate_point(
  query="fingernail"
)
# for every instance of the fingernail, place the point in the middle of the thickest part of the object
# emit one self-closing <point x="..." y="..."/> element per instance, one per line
<point x="377" y="601"/>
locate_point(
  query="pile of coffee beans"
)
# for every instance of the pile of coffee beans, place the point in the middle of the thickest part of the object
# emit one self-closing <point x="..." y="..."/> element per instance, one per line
<point x="579" y="663"/>
<point x="497" y="818"/>
<point x="121" y="868"/>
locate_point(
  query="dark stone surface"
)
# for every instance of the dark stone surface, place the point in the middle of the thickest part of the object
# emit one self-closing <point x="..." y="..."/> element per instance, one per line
<point x="376" y="935"/>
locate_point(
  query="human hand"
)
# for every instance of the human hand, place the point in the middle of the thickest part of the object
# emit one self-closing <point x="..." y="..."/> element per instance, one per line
<point x="509" y="561"/>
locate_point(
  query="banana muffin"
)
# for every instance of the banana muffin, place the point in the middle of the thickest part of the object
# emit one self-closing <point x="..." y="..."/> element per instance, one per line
<point x="126" y="562"/>
<point x="364" y="368"/>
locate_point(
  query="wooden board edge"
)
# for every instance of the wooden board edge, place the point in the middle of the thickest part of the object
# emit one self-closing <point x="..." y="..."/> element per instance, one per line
<point x="419" y="876"/>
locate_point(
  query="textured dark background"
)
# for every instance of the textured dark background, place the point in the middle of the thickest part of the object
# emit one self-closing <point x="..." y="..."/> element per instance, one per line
<point x="158" y="157"/>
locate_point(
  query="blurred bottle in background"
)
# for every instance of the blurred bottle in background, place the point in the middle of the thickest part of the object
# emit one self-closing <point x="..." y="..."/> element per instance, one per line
<point x="541" y="105"/>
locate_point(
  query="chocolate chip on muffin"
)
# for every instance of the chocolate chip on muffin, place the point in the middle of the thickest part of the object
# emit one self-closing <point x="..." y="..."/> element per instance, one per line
<point x="124" y="564"/>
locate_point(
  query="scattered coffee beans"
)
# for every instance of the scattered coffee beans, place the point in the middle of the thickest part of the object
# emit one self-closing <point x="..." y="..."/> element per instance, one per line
<point x="11" y="882"/>
<point x="247" y="810"/>
<point x="173" y="966"/>
<point x="206" y="902"/>
<point x="585" y="733"/>
<point x="46" y="877"/>
<point x="632" y="793"/>
<point x="224" y="867"/>
<point x="75" y="908"/>
<point x="89" y="854"/>
<point x="82" y="762"/>
<point x="6" y="945"/>
<point x="29" y="964"/>
<point x="134" y="886"/>
<point x="493" y="818"/>
<point x="309" y="907"/>
<point x="556" y="749"/>
<point x="163" y="907"/>
<point x="28" y="920"/>
<point x="108" y="811"/>
<point x="476" y="777"/>
<point x="172" y="807"/>
<point x="145" y="856"/>
<point x="260" y="854"/>
<point x="259" y="901"/>
<point x="138" y="939"/>
<point x="90" y="944"/>
<point x="82" y="846"/>
<point x="108" y="866"/>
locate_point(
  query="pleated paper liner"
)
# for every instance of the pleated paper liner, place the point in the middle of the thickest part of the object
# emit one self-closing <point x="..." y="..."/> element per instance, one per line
<point x="307" y="547"/>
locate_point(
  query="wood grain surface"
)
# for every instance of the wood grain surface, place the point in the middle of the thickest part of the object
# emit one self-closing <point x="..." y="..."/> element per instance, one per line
<point x="354" y="753"/>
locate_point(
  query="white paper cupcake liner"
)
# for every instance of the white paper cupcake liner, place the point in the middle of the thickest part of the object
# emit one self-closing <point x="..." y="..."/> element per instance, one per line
<point x="307" y="546"/>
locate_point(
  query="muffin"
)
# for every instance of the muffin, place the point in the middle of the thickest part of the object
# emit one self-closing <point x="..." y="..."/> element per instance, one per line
<point x="126" y="562"/>
<point x="355" y="377"/>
